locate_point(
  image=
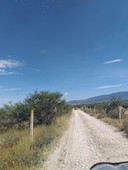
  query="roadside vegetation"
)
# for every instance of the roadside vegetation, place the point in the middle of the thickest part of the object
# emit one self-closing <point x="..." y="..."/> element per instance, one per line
<point x="17" y="150"/>
<point x="109" y="113"/>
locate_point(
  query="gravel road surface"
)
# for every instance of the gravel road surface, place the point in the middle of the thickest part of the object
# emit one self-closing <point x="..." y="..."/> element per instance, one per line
<point x="86" y="142"/>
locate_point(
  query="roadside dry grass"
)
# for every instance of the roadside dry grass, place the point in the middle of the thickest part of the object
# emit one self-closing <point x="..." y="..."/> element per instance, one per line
<point x="122" y="125"/>
<point x="19" y="152"/>
<point x="114" y="122"/>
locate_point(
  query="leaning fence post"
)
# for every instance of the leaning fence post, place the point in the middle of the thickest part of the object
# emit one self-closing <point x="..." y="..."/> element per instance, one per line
<point x="31" y="123"/>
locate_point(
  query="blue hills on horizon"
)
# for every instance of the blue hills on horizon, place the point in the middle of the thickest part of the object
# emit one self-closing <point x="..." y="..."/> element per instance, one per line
<point x="102" y="98"/>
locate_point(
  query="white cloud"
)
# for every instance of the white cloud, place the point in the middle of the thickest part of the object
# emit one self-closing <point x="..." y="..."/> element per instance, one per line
<point x="9" y="63"/>
<point x="113" y="61"/>
<point x="66" y="94"/>
<point x="11" y="89"/>
<point x="109" y="86"/>
<point x="6" y="65"/>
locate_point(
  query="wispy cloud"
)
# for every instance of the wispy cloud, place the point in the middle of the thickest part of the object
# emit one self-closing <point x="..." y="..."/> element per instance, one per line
<point x="44" y="51"/>
<point x="66" y="94"/>
<point x="6" y="65"/>
<point x="37" y="70"/>
<point x="101" y="47"/>
<point x="109" y="86"/>
<point x="5" y="72"/>
<point x="113" y="61"/>
<point x="123" y="73"/>
<point x="4" y="101"/>
<point x="10" y="89"/>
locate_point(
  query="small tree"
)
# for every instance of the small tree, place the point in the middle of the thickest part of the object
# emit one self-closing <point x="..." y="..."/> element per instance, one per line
<point x="45" y="105"/>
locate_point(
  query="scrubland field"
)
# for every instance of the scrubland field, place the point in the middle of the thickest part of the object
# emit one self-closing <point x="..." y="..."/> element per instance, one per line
<point x="18" y="150"/>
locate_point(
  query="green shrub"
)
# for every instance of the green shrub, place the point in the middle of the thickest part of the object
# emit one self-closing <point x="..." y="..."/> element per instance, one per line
<point x="113" y="113"/>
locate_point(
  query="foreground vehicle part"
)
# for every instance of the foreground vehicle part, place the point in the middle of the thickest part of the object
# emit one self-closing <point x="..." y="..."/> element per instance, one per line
<point x="110" y="166"/>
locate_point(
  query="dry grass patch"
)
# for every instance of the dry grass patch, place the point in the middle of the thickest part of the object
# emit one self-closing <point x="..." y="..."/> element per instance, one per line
<point x="123" y="125"/>
<point x="113" y="122"/>
<point x="19" y="152"/>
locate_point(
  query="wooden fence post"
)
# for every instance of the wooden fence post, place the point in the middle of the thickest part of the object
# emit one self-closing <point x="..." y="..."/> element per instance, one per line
<point x="120" y="114"/>
<point x="94" y="109"/>
<point x="31" y="123"/>
<point x="90" y="109"/>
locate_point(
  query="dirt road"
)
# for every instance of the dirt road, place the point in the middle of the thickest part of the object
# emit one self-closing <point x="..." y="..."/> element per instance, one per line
<point x="87" y="141"/>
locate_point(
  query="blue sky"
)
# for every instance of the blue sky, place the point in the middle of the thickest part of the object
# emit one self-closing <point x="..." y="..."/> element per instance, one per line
<point x="76" y="47"/>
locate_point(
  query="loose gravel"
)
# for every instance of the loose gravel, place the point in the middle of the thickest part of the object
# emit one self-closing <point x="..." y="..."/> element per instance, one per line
<point x="86" y="142"/>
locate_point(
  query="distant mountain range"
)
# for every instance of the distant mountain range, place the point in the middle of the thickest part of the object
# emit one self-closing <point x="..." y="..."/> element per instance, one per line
<point x="101" y="98"/>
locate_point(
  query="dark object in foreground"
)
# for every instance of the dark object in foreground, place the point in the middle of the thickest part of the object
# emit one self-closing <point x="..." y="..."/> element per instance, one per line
<point x="110" y="166"/>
